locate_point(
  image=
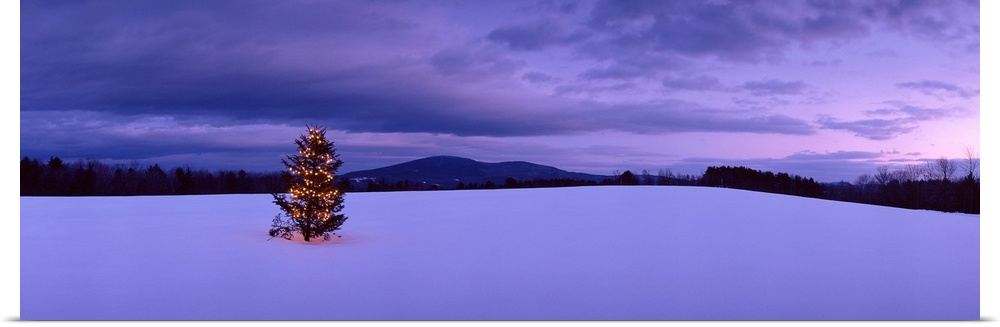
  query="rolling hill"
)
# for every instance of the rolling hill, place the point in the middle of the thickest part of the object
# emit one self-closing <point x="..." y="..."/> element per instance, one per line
<point x="449" y="171"/>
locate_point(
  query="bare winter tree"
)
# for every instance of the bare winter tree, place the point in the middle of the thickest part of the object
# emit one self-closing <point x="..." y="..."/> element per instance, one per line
<point x="901" y="175"/>
<point x="915" y="173"/>
<point x="972" y="163"/>
<point x="882" y="175"/>
<point x="864" y="181"/>
<point x="945" y="168"/>
<point x="664" y="175"/>
<point x="969" y="189"/>
<point x="647" y="178"/>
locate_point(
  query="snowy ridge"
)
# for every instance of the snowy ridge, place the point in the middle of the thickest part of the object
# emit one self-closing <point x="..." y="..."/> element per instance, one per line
<point x="581" y="253"/>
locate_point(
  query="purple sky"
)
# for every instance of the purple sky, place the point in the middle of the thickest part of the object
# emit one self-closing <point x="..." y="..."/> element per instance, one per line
<point x="823" y="89"/>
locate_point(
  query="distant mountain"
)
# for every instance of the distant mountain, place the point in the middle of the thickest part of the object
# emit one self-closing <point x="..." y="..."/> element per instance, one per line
<point x="448" y="171"/>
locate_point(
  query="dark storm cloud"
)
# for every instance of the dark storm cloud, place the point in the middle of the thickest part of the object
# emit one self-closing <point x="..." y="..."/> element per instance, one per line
<point x="166" y="56"/>
<point x="931" y="87"/>
<point x="772" y="87"/>
<point x="931" y="19"/>
<point x="741" y="31"/>
<point x="752" y="32"/>
<point x="221" y="63"/>
<point x="539" y="78"/>
<point x="682" y="116"/>
<point x="548" y="6"/>
<point x="872" y="129"/>
<point x="615" y="72"/>
<point x="532" y="36"/>
<point x="889" y="122"/>
<point x="923" y="113"/>
<point x="148" y="139"/>
<point x="381" y="67"/>
<point x="825" y="63"/>
<point x="592" y="89"/>
<point x="916" y="113"/>
<point x="211" y="69"/>
<point x="631" y="66"/>
<point x="693" y="83"/>
<point x="473" y="63"/>
<point x="838" y="155"/>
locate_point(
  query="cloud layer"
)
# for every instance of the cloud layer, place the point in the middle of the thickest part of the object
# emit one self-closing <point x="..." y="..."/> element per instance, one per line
<point x="519" y="69"/>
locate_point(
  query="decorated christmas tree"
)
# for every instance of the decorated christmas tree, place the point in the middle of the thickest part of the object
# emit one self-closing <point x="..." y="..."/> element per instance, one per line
<point x="315" y="197"/>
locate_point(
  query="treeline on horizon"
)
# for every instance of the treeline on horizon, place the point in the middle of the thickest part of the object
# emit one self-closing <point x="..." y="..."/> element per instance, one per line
<point x="94" y="178"/>
<point x="935" y="186"/>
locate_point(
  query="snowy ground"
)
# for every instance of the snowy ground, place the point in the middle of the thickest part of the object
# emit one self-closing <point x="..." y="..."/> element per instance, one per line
<point x="584" y="253"/>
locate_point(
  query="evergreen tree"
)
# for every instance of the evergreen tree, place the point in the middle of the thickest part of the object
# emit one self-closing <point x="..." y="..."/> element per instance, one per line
<point x="316" y="198"/>
<point x="31" y="177"/>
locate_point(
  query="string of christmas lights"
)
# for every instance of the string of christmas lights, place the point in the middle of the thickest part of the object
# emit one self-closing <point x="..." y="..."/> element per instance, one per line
<point x="314" y="197"/>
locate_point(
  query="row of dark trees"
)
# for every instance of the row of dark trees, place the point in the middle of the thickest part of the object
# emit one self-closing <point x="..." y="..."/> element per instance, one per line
<point x="938" y="185"/>
<point x="663" y="177"/>
<point x="511" y="182"/>
<point x="763" y="181"/>
<point x="382" y="185"/>
<point x="89" y="177"/>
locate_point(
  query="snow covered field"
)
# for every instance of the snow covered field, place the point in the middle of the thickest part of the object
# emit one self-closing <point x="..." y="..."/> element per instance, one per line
<point x="584" y="253"/>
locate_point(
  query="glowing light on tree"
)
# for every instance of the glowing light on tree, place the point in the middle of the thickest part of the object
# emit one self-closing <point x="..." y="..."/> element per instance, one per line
<point x="315" y="199"/>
